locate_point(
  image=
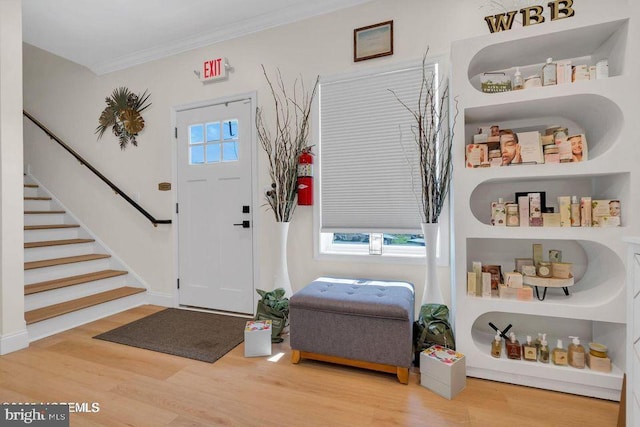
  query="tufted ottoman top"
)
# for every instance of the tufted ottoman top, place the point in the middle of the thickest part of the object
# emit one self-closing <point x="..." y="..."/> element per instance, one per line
<point x="371" y="298"/>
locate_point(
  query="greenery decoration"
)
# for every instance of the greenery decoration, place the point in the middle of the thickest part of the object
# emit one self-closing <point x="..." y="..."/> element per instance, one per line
<point x="123" y="115"/>
<point x="275" y="299"/>
<point x="288" y="140"/>
<point x="433" y="135"/>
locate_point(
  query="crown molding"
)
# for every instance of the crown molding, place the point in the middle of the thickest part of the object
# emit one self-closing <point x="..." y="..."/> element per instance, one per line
<point x="237" y="29"/>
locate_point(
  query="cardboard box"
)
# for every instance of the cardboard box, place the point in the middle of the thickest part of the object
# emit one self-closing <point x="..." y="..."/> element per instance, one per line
<point x="477" y="154"/>
<point x="605" y="213"/>
<point x="508" y="293"/>
<point x="530" y="147"/>
<point x="513" y="279"/>
<point x="443" y="371"/>
<point x="257" y="338"/>
<point x="598" y="364"/>
<point x="524" y="293"/>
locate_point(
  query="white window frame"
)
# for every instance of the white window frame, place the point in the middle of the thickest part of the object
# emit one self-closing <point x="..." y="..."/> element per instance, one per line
<point x="326" y="250"/>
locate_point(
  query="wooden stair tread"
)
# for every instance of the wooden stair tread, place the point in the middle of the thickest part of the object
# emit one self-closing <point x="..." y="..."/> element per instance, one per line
<point x="56" y="243"/>
<point x="50" y="226"/>
<point x="71" y="280"/>
<point x="31" y="185"/>
<point x="51" y="311"/>
<point x="42" y="212"/>
<point x="60" y="261"/>
<point x="37" y="198"/>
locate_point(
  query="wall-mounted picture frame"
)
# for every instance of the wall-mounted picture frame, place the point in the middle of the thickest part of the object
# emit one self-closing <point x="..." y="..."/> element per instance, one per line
<point x="373" y="41"/>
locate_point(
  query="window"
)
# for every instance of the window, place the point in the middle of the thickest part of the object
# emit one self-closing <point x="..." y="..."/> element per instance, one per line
<point x="213" y="142"/>
<point x="369" y="182"/>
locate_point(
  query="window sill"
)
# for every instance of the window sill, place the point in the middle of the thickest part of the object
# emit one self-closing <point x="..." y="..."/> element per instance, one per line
<point x="374" y="259"/>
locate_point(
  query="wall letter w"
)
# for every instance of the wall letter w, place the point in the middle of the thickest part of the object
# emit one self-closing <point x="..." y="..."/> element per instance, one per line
<point x="501" y="21"/>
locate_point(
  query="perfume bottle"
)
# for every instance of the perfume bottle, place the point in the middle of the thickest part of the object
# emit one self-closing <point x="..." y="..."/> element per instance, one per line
<point x="496" y="347"/>
<point x="538" y="342"/>
<point x="575" y="212"/>
<point x="549" y="73"/>
<point x="518" y="81"/>
<point x="559" y="355"/>
<point x="543" y="353"/>
<point x="529" y="350"/>
<point x="513" y="347"/>
<point x="576" y="353"/>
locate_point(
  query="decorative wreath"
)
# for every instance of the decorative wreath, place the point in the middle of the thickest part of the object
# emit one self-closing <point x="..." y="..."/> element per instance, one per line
<point x="122" y="114"/>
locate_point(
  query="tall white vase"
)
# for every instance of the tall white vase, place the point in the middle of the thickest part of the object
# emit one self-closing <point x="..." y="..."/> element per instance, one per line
<point x="281" y="278"/>
<point x="431" y="293"/>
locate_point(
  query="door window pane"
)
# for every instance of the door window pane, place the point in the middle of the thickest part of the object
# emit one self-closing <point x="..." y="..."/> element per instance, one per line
<point x="196" y="134"/>
<point x="213" y="132"/>
<point x="229" y="151"/>
<point x="230" y="129"/>
<point x="196" y="155"/>
<point x="213" y="153"/>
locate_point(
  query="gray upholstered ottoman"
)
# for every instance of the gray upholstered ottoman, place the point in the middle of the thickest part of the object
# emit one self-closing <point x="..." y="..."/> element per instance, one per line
<point x="362" y="323"/>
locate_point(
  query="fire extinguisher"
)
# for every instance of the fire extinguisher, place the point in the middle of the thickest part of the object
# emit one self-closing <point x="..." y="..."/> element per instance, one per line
<point x="305" y="178"/>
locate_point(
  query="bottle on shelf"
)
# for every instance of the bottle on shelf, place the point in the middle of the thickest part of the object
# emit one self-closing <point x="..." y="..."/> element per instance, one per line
<point x="543" y="353"/>
<point x="538" y="342"/>
<point x="496" y="347"/>
<point x="518" y="81"/>
<point x="513" y="347"/>
<point x="576" y="353"/>
<point x="575" y="211"/>
<point x="549" y="73"/>
<point x="529" y="350"/>
<point x="559" y="355"/>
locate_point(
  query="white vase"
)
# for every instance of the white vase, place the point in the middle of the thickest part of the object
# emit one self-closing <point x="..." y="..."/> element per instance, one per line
<point x="431" y="293"/>
<point x="281" y="277"/>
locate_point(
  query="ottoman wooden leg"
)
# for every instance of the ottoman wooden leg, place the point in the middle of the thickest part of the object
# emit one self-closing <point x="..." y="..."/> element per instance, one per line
<point x="403" y="375"/>
<point x="295" y="356"/>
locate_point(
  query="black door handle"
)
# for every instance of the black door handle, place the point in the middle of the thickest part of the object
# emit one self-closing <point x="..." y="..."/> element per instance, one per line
<point x="244" y="224"/>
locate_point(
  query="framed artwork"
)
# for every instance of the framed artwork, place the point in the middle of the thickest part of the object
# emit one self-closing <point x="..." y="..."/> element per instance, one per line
<point x="373" y="41"/>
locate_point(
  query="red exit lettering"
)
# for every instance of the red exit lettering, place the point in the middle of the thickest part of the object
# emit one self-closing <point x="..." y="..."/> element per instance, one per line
<point x="212" y="68"/>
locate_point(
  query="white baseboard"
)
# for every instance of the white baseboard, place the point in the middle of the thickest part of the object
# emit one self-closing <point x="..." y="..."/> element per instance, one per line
<point x="14" y="342"/>
<point x="162" y="299"/>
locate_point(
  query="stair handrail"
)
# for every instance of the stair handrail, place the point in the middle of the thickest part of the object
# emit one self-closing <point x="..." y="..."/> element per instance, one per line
<point x="114" y="187"/>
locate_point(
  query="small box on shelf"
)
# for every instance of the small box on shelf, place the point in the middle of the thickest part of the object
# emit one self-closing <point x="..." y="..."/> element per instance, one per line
<point x="443" y="371"/>
<point x="598" y="364"/>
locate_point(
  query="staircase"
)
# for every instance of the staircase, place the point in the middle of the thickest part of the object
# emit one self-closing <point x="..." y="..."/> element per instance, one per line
<point x="70" y="278"/>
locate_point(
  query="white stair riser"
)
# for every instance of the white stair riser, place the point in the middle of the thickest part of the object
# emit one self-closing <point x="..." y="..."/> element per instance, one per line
<point x="31" y="192"/>
<point x="60" y="251"/>
<point x="62" y="323"/>
<point x="37" y="205"/>
<point x="43" y="299"/>
<point x="59" y="271"/>
<point x="51" y="234"/>
<point x="43" y="219"/>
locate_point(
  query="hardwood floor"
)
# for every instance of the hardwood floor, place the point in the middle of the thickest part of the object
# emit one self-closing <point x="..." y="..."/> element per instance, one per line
<point x="135" y="387"/>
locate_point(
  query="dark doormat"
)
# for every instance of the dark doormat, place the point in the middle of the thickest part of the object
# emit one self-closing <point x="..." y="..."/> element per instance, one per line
<point x="192" y="334"/>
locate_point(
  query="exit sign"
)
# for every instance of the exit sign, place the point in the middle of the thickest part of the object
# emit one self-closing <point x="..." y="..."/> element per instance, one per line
<point x="214" y="69"/>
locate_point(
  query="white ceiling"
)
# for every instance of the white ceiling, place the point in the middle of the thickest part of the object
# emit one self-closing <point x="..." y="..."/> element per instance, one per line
<point x="110" y="35"/>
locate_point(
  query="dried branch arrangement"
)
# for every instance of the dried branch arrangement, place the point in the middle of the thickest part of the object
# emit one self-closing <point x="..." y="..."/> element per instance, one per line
<point x="123" y="114"/>
<point x="286" y="142"/>
<point x="433" y="135"/>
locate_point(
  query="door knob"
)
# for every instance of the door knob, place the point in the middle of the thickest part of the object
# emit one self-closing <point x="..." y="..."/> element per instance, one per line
<point x="244" y="224"/>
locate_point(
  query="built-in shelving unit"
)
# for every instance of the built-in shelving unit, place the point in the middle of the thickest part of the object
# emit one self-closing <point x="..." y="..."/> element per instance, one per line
<point x="595" y="307"/>
<point x="633" y="331"/>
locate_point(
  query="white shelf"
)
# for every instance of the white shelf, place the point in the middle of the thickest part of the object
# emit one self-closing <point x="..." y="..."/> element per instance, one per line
<point x="595" y="234"/>
<point x="595" y="306"/>
<point x="605" y="385"/>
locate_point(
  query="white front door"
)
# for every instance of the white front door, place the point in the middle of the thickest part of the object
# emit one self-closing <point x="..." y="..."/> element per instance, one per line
<point x="215" y="213"/>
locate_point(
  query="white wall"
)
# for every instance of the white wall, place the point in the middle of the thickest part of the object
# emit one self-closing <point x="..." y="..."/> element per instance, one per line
<point x="69" y="99"/>
<point x="12" y="325"/>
